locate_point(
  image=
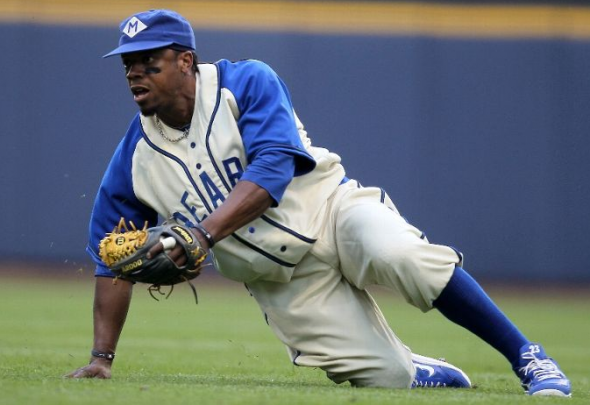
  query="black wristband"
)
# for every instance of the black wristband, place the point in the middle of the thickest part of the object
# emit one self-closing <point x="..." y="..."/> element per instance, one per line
<point x="102" y="355"/>
<point x="205" y="233"/>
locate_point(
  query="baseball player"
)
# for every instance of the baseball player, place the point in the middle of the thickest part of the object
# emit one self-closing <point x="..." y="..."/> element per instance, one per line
<point x="219" y="148"/>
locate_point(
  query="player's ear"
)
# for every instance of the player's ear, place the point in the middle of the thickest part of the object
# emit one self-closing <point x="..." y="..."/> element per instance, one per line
<point x="185" y="61"/>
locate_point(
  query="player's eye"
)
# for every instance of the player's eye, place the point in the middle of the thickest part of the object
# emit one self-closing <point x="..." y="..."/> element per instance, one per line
<point x="126" y="64"/>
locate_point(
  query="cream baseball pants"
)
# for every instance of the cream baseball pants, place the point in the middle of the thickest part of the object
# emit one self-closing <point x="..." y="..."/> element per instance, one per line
<point x="325" y="316"/>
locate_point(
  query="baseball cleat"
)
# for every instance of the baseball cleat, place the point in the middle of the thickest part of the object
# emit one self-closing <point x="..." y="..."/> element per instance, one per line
<point x="539" y="374"/>
<point x="432" y="373"/>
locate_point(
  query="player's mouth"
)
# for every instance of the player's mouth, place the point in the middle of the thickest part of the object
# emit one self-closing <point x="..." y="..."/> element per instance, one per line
<point x="139" y="93"/>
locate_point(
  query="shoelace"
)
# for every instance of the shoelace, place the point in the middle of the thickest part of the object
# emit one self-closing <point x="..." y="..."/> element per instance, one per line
<point x="542" y="369"/>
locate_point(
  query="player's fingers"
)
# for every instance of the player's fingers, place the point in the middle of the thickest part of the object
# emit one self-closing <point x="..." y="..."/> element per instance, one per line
<point x="155" y="250"/>
<point x="164" y="244"/>
<point x="90" y="372"/>
<point x="178" y="256"/>
<point x="175" y="253"/>
<point x="168" y="243"/>
<point x="103" y="374"/>
<point x="79" y="373"/>
<point x="181" y="261"/>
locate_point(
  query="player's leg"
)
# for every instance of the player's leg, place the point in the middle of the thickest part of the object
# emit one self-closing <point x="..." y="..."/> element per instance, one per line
<point x="377" y="246"/>
<point x="464" y="302"/>
<point x="327" y="323"/>
<point x="373" y="237"/>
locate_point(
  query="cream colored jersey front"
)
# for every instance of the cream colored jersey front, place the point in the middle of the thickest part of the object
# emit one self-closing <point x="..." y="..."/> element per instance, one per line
<point x="190" y="178"/>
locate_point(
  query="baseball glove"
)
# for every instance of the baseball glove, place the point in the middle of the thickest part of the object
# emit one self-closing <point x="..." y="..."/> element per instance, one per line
<point x="124" y="251"/>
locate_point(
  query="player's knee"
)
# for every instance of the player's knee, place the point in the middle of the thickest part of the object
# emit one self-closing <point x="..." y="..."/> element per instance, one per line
<point x="388" y="372"/>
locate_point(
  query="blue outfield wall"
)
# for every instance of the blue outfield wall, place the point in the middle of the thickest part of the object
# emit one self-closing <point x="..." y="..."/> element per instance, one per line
<point x="481" y="143"/>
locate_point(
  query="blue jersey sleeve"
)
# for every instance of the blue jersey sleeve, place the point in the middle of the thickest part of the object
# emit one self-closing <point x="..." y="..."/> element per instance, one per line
<point x="116" y="199"/>
<point x="271" y="140"/>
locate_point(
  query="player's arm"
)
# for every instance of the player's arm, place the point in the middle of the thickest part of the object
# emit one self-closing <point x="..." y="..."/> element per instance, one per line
<point x="111" y="304"/>
<point x="115" y="199"/>
<point x="260" y="188"/>
<point x="246" y="202"/>
<point x="273" y="148"/>
<point x="271" y="142"/>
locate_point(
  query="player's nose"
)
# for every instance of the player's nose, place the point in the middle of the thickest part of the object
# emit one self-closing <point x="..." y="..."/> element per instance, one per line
<point x="134" y="70"/>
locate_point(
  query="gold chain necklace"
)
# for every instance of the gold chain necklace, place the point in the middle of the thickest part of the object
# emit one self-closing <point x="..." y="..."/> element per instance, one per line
<point x="184" y="132"/>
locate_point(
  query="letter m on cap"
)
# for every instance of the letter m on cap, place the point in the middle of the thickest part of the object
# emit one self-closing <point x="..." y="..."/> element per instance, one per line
<point x="134" y="27"/>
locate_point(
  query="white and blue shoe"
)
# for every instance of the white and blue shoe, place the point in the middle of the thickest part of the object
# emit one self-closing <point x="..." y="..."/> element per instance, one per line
<point x="539" y="374"/>
<point x="432" y="373"/>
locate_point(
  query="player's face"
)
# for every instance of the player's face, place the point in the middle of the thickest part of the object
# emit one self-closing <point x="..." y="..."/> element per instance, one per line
<point x="154" y="78"/>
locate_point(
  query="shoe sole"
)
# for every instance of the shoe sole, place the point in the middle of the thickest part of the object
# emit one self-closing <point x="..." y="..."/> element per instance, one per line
<point x="550" y="393"/>
<point x="434" y="362"/>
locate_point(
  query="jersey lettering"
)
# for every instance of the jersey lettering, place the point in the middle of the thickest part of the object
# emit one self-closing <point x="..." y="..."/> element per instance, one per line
<point x="233" y="169"/>
<point x="214" y="193"/>
<point x="190" y="209"/>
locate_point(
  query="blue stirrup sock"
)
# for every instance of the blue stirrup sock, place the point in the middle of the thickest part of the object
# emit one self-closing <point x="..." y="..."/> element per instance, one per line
<point x="465" y="303"/>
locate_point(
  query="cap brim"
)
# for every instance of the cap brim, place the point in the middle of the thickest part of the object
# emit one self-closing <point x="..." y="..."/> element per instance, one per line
<point x="138" y="47"/>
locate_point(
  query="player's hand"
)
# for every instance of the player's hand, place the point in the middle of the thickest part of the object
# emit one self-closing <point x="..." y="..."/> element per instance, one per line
<point x="99" y="368"/>
<point x="177" y="253"/>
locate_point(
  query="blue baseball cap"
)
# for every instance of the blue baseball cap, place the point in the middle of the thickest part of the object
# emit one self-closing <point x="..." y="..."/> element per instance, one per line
<point x="154" y="29"/>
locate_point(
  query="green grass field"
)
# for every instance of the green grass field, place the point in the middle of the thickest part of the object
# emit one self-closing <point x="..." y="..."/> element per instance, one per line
<point x="222" y="352"/>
